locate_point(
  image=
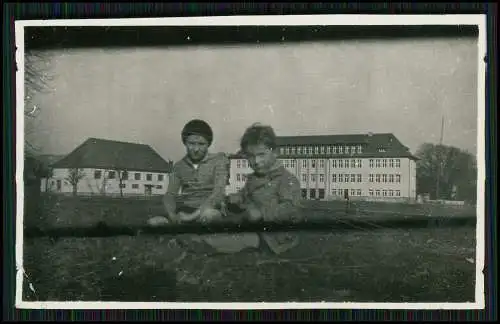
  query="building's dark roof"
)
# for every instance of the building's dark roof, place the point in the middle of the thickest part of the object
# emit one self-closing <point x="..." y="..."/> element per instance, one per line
<point x="107" y="154"/>
<point x="370" y="142"/>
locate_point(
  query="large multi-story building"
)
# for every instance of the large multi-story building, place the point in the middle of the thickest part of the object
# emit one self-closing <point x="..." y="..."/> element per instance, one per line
<point x="362" y="166"/>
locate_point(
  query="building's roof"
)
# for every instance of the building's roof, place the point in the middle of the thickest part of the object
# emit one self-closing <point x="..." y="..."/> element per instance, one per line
<point x="371" y="143"/>
<point x="107" y="154"/>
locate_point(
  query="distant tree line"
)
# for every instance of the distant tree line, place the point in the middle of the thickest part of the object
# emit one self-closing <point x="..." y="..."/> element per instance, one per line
<point x="446" y="172"/>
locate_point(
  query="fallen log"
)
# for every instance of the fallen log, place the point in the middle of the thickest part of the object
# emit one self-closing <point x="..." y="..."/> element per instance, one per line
<point x="318" y="223"/>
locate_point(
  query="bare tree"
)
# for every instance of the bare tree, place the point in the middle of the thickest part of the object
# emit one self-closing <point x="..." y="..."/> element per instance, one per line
<point x="36" y="80"/>
<point x="122" y="175"/>
<point x="75" y="175"/>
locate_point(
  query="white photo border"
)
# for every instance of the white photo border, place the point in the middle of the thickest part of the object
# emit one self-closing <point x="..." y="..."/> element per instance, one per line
<point x="270" y="20"/>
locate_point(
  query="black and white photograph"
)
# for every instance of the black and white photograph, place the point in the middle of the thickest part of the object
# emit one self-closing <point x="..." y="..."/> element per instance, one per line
<point x="251" y="162"/>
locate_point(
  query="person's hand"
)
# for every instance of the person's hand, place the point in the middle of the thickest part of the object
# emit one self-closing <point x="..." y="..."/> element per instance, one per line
<point x="189" y="217"/>
<point x="254" y="214"/>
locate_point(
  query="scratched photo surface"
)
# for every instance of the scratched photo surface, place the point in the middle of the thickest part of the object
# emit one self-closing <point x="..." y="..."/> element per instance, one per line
<point x="377" y="127"/>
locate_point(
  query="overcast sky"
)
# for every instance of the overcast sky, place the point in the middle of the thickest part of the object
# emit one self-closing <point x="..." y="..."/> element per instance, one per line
<point x="146" y="95"/>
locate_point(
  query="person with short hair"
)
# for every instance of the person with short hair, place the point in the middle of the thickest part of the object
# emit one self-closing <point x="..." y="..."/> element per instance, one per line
<point x="197" y="185"/>
<point x="271" y="193"/>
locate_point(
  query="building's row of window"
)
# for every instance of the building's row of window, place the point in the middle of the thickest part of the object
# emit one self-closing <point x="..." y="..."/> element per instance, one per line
<point x="338" y="163"/>
<point x="346" y="163"/>
<point x="385" y="178"/>
<point x="125" y="176"/>
<point x="350" y="192"/>
<point x="136" y="186"/>
<point x="241" y="163"/>
<point x="384" y="193"/>
<point x="321" y="149"/>
<point x="241" y="177"/>
<point x="384" y="163"/>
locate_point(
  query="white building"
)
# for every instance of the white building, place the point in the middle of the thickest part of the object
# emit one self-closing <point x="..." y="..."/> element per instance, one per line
<point x="103" y="167"/>
<point x="365" y="166"/>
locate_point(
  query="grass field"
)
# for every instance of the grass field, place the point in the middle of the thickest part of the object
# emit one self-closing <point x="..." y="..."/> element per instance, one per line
<point x="383" y="265"/>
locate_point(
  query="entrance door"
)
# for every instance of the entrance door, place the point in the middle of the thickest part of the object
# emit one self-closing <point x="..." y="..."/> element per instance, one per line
<point x="148" y="190"/>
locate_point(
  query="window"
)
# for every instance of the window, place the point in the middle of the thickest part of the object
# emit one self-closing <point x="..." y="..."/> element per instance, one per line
<point x="243" y="177"/>
<point x="322" y="149"/>
<point x="377" y="193"/>
<point x="391" y="193"/>
<point x="371" y="163"/>
<point x="346" y="149"/>
<point x="353" y="163"/>
<point x="398" y="193"/>
<point x="334" y="178"/>
<point x="341" y="163"/>
<point x="360" y="164"/>
<point x="304" y="193"/>
<point x="384" y="178"/>
<point x="313" y="177"/>
<point x="381" y="149"/>
<point x="310" y="150"/>
<point x="384" y="163"/>
<point x="341" y="178"/>
<point x="124" y="175"/>
<point x="304" y="163"/>
<point x="358" y="192"/>
<point x="328" y="149"/>
<point x="282" y="151"/>
<point x="334" y="163"/>
<point x="346" y="163"/>
<point x="135" y="186"/>
<point x="359" y="149"/>
<point x="313" y="164"/>
<point x="334" y="192"/>
<point x="377" y="178"/>
<point x="160" y="177"/>
<point x="377" y="163"/>
<point x="299" y="150"/>
<point x="371" y="177"/>
<point x="384" y="193"/>
<point x="316" y="150"/>
<point x="370" y="192"/>
<point x="321" y="178"/>
<point x="122" y="185"/>
<point x="287" y="151"/>
<point x="353" y="149"/>
<point x="238" y="163"/>
<point x="304" y="177"/>
<point x="346" y="178"/>
<point x="353" y="178"/>
<point x="159" y="187"/>
<point x="398" y="178"/>
<point x="238" y="177"/>
<point x="137" y="176"/>
<point x="340" y="149"/>
<point x="353" y="192"/>
<point x="359" y="178"/>
<point x="391" y="178"/>
<point x="322" y="163"/>
<point x="334" y="149"/>
<point x="293" y="150"/>
<point x="285" y="163"/>
<point x="398" y="163"/>
<point x="391" y="163"/>
<point x="97" y="174"/>
<point x="149" y="177"/>
<point x="294" y="163"/>
<point x="111" y="174"/>
<point x="244" y="163"/>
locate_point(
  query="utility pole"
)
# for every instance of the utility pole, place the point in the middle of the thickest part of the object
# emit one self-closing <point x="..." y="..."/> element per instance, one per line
<point x="440" y="162"/>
